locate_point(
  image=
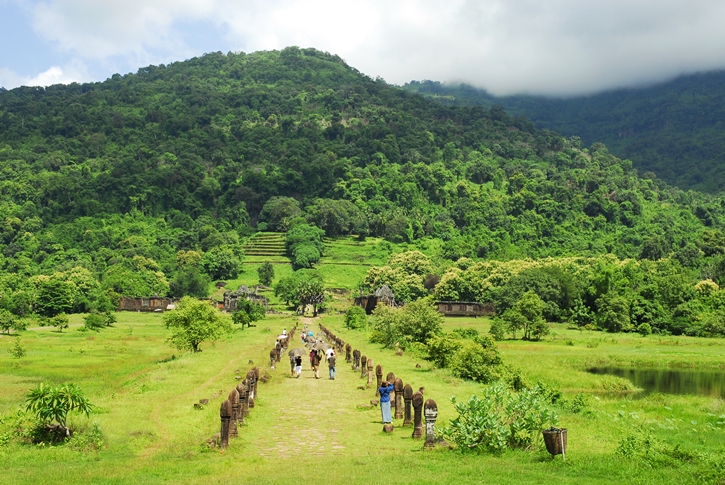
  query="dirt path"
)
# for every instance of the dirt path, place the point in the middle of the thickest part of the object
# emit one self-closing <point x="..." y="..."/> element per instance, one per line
<point x="313" y="416"/>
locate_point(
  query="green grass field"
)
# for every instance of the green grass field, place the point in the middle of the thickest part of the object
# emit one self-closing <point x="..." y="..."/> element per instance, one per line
<point x="308" y="429"/>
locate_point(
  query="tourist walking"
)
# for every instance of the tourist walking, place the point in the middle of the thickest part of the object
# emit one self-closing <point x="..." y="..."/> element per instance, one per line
<point x="298" y="366"/>
<point x="315" y="363"/>
<point x="385" y="389"/>
<point x="331" y="361"/>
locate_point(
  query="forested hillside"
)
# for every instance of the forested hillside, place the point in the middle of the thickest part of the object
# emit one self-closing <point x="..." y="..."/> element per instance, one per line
<point x="148" y="182"/>
<point x="674" y="129"/>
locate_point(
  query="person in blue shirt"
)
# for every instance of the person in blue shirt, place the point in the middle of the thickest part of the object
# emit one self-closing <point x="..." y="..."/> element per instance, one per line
<point x="385" y="390"/>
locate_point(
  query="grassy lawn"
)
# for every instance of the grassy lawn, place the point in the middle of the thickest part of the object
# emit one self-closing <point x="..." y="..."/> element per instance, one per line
<point x="309" y="429"/>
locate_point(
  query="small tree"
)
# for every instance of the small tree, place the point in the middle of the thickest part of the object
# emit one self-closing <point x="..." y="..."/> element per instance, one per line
<point x="7" y="321"/>
<point x="94" y="321"/>
<point x="55" y="403"/>
<point x="531" y="307"/>
<point x="59" y="321"/>
<point x="193" y="322"/>
<point x="266" y="273"/>
<point x="355" y="317"/>
<point x="17" y="350"/>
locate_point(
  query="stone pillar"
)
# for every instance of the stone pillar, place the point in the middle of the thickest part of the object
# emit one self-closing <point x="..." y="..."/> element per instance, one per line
<point x="355" y="359"/>
<point x="398" y="386"/>
<point x="371" y="366"/>
<point x="430" y="410"/>
<point x="391" y="379"/>
<point x="256" y="381"/>
<point x="364" y="366"/>
<point x="251" y="378"/>
<point x="278" y="348"/>
<point x="241" y="390"/>
<point x="407" y="397"/>
<point x="379" y="377"/>
<point x="272" y="357"/>
<point x="245" y="400"/>
<point x="348" y="356"/>
<point x="417" y="415"/>
<point x="234" y="399"/>
<point x="225" y="413"/>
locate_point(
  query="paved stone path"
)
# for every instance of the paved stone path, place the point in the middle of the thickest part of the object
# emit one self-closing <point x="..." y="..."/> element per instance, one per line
<point x="317" y="417"/>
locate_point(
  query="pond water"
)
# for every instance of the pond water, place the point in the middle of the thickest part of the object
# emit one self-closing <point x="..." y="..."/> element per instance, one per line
<point x="669" y="381"/>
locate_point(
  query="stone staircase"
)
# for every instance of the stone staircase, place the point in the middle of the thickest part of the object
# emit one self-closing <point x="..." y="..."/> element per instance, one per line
<point x="266" y="244"/>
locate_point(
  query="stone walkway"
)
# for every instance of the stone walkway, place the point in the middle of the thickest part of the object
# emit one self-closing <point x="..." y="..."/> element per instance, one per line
<point x="310" y="421"/>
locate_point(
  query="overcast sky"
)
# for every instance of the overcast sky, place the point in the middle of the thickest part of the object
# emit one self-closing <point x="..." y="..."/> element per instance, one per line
<point x="555" y="47"/>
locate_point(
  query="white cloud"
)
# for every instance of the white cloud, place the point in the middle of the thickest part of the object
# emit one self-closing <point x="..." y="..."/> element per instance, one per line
<point x="506" y="46"/>
<point x="74" y="71"/>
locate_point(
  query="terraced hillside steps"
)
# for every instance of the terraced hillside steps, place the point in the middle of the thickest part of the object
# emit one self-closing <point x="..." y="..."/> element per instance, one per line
<point x="265" y="244"/>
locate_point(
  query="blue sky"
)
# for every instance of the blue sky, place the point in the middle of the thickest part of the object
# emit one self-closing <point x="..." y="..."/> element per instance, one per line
<point x="554" y="47"/>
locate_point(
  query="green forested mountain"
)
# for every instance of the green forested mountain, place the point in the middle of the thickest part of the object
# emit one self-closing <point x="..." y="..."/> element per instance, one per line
<point x="146" y="182"/>
<point x="674" y="129"/>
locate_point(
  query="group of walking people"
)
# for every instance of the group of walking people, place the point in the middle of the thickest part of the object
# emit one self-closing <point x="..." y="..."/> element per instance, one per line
<point x="315" y="360"/>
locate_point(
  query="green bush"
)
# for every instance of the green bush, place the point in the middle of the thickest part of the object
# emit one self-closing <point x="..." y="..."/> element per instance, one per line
<point x="498" y="329"/>
<point x="644" y="329"/>
<point x="475" y="362"/>
<point x="94" y="321"/>
<point x="355" y="317"/>
<point x="500" y="419"/>
<point x="442" y="348"/>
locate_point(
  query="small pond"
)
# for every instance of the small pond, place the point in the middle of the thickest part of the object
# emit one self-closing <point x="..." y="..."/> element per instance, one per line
<point x="669" y="381"/>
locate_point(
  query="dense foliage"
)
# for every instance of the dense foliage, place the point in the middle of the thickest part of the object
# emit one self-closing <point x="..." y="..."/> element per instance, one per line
<point x="147" y="184"/>
<point x="604" y="292"/>
<point x="673" y="129"/>
<point x="500" y="419"/>
<point x="193" y="322"/>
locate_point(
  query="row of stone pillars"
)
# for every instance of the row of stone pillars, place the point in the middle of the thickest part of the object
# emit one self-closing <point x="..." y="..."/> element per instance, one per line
<point x="404" y="399"/>
<point x="236" y="407"/>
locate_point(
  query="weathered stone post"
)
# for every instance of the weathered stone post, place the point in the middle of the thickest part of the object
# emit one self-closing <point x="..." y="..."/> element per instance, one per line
<point x="348" y="356"/>
<point x="234" y="399"/>
<point x="417" y="415"/>
<point x="278" y="349"/>
<point x="241" y="390"/>
<point x="225" y="413"/>
<point x="256" y="381"/>
<point x="251" y="378"/>
<point x="379" y="377"/>
<point x="408" y="397"/>
<point x="431" y="414"/>
<point x="371" y="367"/>
<point x="364" y="365"/>
<point x="356" y="359"/>
<point x="391" y="379"/>
<point x="398" y="386"/>
<point x="272" y="357"/>
<point x="245" y="400"/>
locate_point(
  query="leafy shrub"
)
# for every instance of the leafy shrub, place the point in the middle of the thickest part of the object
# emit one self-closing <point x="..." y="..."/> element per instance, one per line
<point x="467" y="333"/>
<point x="17" y="350"/>
<point x="644" y="329"/>
<point x="59" y="321"/>
<point x="500" y="419"/>
<point x="498" y="329"/>
<point x="579" y="404"/>
<point x="88" y="439"/>
<point x="355" y="317"/>
<point x="475" y="362"/>
<point x="94" y="321"/>
<point x="50" y="404"/>
<point x="442" y="348"/>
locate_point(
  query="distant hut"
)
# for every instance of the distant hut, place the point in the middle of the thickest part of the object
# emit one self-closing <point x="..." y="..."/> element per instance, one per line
<point x="465" y="308"/>
<point x="231" y="298"/>
<point x="382" y="295"/>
